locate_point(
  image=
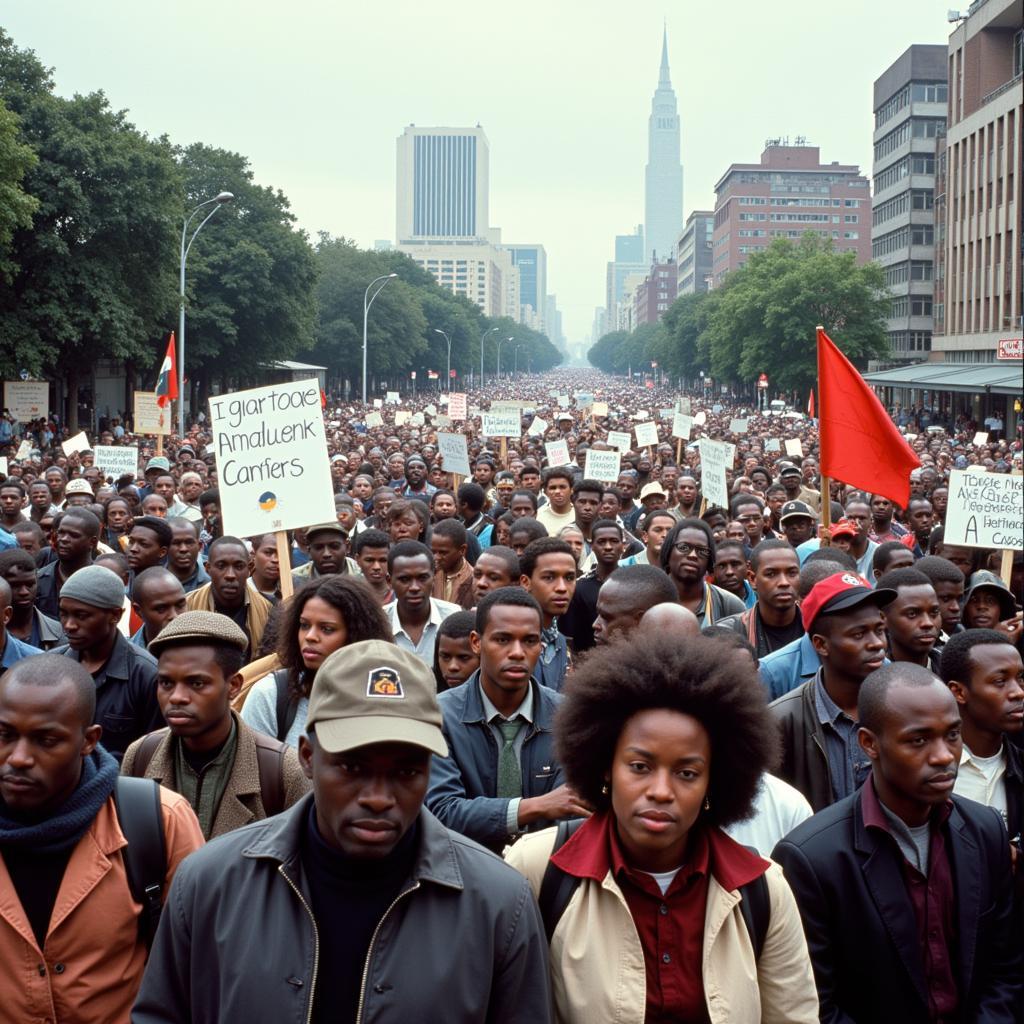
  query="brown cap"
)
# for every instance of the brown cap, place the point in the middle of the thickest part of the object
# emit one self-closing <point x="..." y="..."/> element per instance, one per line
<point x="375" y="692"/>
<point x="199" y="628"/>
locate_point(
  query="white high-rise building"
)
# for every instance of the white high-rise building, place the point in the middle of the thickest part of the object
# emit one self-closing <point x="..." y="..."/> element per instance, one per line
<point x="663" y="191"/>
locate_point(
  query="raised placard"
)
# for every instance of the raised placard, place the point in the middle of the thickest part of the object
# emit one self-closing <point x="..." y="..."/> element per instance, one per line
<point x="557" y="453"/>
<point x="601" y="465"/>
<point x="27" y="400"/>
<point x="455" y="452"/>
<point x="116" y="461"/>
<point x="682" y="424"/>
<point x="457" y="405"/>
<point x="646" y="434"/>
<point x="620" y="439"/>
<point x="78" y="443"/>
<point x="986" y="510"/>
<point x="500" y="424"/>
<point x="149" y="417"/>
<point x="714" y="458"/>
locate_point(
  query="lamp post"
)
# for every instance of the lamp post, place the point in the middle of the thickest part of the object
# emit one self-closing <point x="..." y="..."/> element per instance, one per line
<point x="489" y="330"/>
<point x="217" y="202"/>
<point x="515" y="360"/>
<point x="367" y="303"/>
<point x="447" y="337"/>
<point x="501" y="341"/>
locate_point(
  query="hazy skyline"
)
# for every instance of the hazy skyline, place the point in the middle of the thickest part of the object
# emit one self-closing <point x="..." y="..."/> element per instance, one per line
<point x="316" y="99"/>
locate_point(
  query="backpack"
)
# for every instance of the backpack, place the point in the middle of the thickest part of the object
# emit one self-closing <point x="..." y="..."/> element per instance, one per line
<point x="287" y="704"/>
<point x="137" y="803"/>
<point x="557" y="887"/>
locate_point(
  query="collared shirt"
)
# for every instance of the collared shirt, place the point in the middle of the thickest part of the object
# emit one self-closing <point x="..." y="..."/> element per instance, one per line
<point x="494" y="718"/>
<point x="983" y="779"/>
<point x="138" y="638"/>
<point x="933" y="898"/>
<point x="553" y="663"/>
<point x="424" y="649"/>
<point x="199" y="578"/>
<point x="204" y="788"/>
<point x="13" y="652"/>
<point x="640" y="558"/>
<point x="848" y="765"/>
<point x="789" y="667"/>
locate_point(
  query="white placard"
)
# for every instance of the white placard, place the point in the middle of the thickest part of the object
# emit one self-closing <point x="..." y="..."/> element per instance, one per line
<point x="3" y="465"/>
<point x="794" y="447"/>
<point x="417" y="419"/>
<point x="431" y="410"/>
<point x="23" y="452"/>
<point x="402" y="416"/>
<point x="682" y="424"/>
<point x="563" y="401"/>
<point x="701" y="418"/>
<point x="271" y="449"/>
<point x="442" y="421"/>
<point x="665" y="414"/>
<point x="716" y="408"/>
<point x="455" y="452"/>
<point x="737" y="426"/>
<point x="27" y="399"/>
<point x="374" y="419"/>
<point x="378" y="403"/>
<point x="683" y="405"/>
<point x="714" y="458"/>
<point x="457" y="405"/>
<point x="116" y="461"/>
<point x="641" y="414"/>
<point x="646" y="435"/>
<point x="773" y="444"/>
<point x="78" y="443"/>
<point x="986" y="510"/>
<point x="602" y="465"/>
<point x="621" y="439"/>
<point x="557" y="453"/>
<point x="980" y="438"/>
<point x="148" y="416"/>
<point x="392" y="397"/>
<point x="538" y="426"/>
<point x="599" y="409"/>
<point x="583" y="400"/>
<point x="500" y="424"/>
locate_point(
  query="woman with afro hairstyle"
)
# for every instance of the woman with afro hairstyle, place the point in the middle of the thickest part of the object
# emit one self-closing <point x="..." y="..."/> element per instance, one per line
<point x="668" y="749"/>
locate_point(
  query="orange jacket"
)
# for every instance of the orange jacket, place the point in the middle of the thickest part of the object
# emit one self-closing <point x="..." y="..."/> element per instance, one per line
<point x="90" y="968"/>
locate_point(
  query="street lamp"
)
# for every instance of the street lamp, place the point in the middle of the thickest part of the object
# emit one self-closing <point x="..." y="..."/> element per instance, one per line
<point x="489" y="330"/>
<point x="367" y="303"/>
<point x="447" y="337"/>
<point x="501" y="341"/>
<point x="217" y="202"/>
<point x="515" y="360"/>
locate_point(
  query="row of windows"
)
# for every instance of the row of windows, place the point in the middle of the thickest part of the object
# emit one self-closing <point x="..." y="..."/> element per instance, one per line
<point x="919" y="92"/>
<point x="776" y="201"/>
<point x="916" y="163"/>
<point x="915" y="128"/>
<point x="894" y="241"/>
<point x="909" y="270"/>
<point x="910" y="305"/>
<point x="910" y="341"/>
<point x="753" y="233"/>
<point x="915" y="199"/>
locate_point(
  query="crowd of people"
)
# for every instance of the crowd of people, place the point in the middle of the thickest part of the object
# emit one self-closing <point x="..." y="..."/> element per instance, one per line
<point x="524" y="746"/>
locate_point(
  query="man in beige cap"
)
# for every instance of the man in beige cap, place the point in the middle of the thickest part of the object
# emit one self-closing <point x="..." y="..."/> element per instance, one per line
<point x="362" y="903"/>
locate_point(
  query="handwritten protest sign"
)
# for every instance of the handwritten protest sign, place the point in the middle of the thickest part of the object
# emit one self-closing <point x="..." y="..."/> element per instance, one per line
<point x="714" y="458"/>
<point x="271" y="450"/>
<point x="773" y="444"/>
<point x="442" y="421"/>
<point x="599" y="409"/>
<point x="115" y="461"/>
<point x="794" y="447"/>
<point x="500" y="424"/>
<point x="980" y="438"/>
<point x="646" y="434"/>
<point x="149" y="417"/>
<point x="583" y="400"/>
<point x="401" y="417"/>
<point x="78" y="443"/>
<point x="620" y="439"/>
<point x="682" y="424"/>
<point x="986" y="510"/>
<point x="27" y="399"/>
<point x="417" y="419"/>
<point x="378" y="403"/>
<point x="455" y="452"/>
<point x="538" y="426"/>
<point x="737" y="426"/>
<point x="392" y="397"/>
<point x="374" y="419"/>
<point x="563" y="401"/>
<point x="683" y="406"/>
<point x="557" y="453"/>
<point x="457" y="405"/>
<point x="601" y="465"/>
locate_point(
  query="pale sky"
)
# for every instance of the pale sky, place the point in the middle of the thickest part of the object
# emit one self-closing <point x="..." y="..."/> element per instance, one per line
<point x="315" y="92"/>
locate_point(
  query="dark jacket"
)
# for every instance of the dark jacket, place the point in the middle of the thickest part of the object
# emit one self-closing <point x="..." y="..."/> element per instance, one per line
<point x="462" y="943"/>
<point x="126" y="704"/>
<point x="861" y="930"/>
<point x="463" y="785"/>
<point x="51" y="633"/>
<point x="804" y="760"/>
<point x="48" y="590"/>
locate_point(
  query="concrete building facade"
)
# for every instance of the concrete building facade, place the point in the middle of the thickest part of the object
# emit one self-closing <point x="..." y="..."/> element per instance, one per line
<point x="655" y="293"/>
<point x="629" y="261"/>
<point x="694" y="253"/>
<point x="663" y="176"/>
<point x="532" y="264"/>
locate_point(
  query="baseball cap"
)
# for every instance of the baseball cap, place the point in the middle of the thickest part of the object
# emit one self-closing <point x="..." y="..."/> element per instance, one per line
<point x="983" y="579"/>
<point x="844" y="528"/>
<point x="200" y="627"/>
<point x="789" y="471"/>
<point x="840" y="592"/>
<point x="375" y="692"/>
<point x="334" y="527"/>
<point x="78" y="486"/>
<point x="158" y="462"/>
<point x="651" y="488"/>
<point x="796" y="508"/>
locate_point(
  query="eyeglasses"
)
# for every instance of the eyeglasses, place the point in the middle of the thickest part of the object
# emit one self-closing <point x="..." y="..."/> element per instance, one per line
<point x="681" y="547"/>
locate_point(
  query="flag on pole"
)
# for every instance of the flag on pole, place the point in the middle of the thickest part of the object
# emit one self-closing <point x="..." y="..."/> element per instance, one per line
<point x="810" y="403"/>
<point x="167" y="381"/>
<point x="860" y="444"/>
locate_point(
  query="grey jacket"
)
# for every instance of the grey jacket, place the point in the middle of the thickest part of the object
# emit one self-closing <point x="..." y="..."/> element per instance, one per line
<point x="463" y="941"/>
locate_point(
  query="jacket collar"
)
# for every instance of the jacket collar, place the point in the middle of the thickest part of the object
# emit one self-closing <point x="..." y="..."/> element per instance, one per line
<point x="473" y="705"/>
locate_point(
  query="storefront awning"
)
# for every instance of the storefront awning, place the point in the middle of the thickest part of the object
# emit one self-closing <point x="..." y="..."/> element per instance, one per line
<point x="966" y="378"/>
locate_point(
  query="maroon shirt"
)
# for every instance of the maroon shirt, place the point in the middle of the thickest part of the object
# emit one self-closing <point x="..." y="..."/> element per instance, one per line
<point x="934" y="901"/>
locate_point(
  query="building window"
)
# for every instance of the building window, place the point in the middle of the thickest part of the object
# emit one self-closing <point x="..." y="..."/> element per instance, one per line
<point x="921" y="270"/>
<point x="931" y="92"/>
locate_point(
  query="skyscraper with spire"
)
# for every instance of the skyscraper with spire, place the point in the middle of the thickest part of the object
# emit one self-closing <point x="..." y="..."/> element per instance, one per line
<point x="663" y="187"/>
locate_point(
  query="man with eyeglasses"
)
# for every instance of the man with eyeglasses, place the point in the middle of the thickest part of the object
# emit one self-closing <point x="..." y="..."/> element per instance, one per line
<point x="686" y="555"/>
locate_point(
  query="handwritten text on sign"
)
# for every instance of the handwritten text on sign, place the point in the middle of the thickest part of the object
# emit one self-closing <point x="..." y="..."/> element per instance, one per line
<point x="714" y="457"/>
<point x="986" y="510"/>
<point x="601" y="465"/>
<point x="114" y="461"/>
<point x="453" y="449"/>
<point x="500" y="424"/>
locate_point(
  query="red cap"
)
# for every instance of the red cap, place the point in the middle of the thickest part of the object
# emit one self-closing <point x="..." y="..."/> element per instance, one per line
<point x="844" y="528"/>
<point x="839" y="592"/>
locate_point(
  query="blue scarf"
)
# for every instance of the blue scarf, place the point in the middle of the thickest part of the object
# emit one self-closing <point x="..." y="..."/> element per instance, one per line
<point x="69" y="822"/>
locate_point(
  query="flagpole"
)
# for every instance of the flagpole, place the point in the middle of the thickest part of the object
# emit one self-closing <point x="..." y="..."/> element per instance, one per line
<point x="826" y="489"/>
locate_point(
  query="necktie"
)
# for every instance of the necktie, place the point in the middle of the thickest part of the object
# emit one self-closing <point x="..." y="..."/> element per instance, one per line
<point x="510" y="780"/>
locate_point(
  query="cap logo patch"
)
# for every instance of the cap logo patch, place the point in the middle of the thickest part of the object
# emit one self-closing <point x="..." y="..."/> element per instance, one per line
<point x="384" y="682"/>
<point x="850" y="581"/>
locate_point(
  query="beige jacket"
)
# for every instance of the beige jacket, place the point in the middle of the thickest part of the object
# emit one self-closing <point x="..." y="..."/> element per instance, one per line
<point x="597" y="962"/>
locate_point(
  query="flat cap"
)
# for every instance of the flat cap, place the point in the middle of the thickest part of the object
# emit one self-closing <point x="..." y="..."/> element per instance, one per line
<point x="199" y="627"/>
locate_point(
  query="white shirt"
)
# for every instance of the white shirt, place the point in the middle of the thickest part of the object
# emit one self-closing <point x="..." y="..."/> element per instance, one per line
<point x="983" y="779"/>
<point x="552" y="521"/>
<point x="424" y="650"/>
<point x="778" y="809"/>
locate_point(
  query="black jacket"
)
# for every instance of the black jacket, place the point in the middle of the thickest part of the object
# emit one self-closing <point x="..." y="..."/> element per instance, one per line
<point x="463" y="943"/>
<point x="861" y="930"/>
<point x="48" y="591"/>
<point x="804" y="759"/>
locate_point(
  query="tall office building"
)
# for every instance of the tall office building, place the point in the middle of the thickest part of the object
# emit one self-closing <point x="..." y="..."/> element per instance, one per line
<point x="629" y="260"/>
<point x="910" y="119"/>
<point x="663" y="182"/>
<point x="694" y="253"/>
<point x="655" y="293"/>
<point x="532" y="263"/>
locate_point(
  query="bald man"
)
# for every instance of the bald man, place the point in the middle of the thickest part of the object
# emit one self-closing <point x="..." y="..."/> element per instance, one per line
<point x="157" y="597"/>
<point x="14" y="650"/>
<point x="670" y="618"/>
<point x="626" y="596"/>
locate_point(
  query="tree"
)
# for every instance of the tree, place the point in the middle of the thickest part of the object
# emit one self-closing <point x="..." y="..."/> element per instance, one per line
<point x="16" y="205"/>
<point x="676" y="349"/>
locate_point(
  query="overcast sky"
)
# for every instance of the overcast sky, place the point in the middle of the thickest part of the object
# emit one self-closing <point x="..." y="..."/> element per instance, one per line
<point x="315" y="93"/>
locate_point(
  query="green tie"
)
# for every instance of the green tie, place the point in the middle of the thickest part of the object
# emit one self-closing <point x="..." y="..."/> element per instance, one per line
<point x="510" y="780"/>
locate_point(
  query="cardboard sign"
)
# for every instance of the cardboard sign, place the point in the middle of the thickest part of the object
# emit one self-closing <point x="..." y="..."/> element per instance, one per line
<point x="442" y="421"/>
<point x="980" y="438"/>
<point x="538" y="426"/>
<point x="116" y="461"/>
<point x="501" y="424"/>
<point x="714" y="458"/>
<point x="148" y="417"/>
<point x="456" y="453"/>
<point x="417" y="419"/>
<point x="374" y="419"/>
<point x="773" y="444"/>
<point x="583" y="401"/>
<point x="737" y="426"/>
<point x="402" y="417"/>
<point x="78" y="443"/>
<point x="986" y="510"/>
<point x="457" y="405"/>
<point x="270" y="444"/>
<point x="27" y="399"/>
<point x="557" y="453"/>
<point x="701" y="418"/>
<point x="646" y="435"/>
<point x="431" y="410"/>
<point x="392" y="397"/>
<point x="378" y="403"/>
<point x="599" y="409"/>
<point x="602" y="465"/>
<point x="620" y="439"/>
<point x="683" y="405"/>
<point x="563" y="401"/>
<point x="682" y="424"/>
<point x="794" y="447"/>
<point x="23" y="452"/>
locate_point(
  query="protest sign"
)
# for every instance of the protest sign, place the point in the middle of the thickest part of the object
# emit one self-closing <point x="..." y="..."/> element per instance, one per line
<point x="378" y="403"/>
<point x="431" y="410"/>
<point x="442" y="421"/>
<point x="640" y="414"/>
<point x="714" y="457"/>
<point x="27" y="399"/>
<point x="716" y="408"/>
<point x="583" y="401"/>
<point x="552" y="394"/>
<point x="374" y="419"/>
<point x="683" y="406"/>
<point x="682" y="424"/>
<point x="78" y="443"/>
<point x="557" y="453"/>
<point x="737" y="426"/>
<point x="457" y="405"/>
<point x="620" y="439"/>
<point x="601" y="465"/>
<point x="599" y="409"/>
<point x="563" y="401"/>
<point x="455" y="452"/>
<point x="271" y="450"/>
<point x="417" y="419"/>
<point x="980" y="438"/>
<point x="115" y="461"/>
<point x="646" y="434"/>
<point x="773" y="445"/>
<point x="986" y="510"/>
<point x="701" y="418"/>
<point x="23" y="452"/>
<point x="392" y="397"/>
<point x="3" y="465"/>
<point x="150" y="418"/>
<point x="538" y="426"/>
<point x="666" y="414"/>
<point x="401" y="417"/>
<point x="794" y="447"/>
<point x="500" y="424"/>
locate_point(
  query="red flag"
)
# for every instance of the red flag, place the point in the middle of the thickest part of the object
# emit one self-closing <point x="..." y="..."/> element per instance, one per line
<point x="167" y="381"/>
<point x="810" y="403"/>
<point x="323" y="399"/>
<point x="860" y="445"/>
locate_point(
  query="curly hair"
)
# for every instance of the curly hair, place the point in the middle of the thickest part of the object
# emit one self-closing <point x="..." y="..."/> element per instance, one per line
<point x="702" y="678"/>
<point x="352" y="598"/>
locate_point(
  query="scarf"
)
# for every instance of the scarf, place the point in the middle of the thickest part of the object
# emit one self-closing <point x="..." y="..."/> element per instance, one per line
<point x="69" y="822"/>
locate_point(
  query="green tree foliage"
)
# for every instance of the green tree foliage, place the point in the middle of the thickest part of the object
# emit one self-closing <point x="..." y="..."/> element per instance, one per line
<point x="16" y="205"/>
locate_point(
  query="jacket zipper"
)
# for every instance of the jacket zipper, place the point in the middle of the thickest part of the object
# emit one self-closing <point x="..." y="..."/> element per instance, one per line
<point x="316" y="940"/>
<point x="369" y="951"/>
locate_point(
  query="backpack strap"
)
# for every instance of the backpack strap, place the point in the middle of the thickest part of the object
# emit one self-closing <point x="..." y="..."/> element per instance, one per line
<point x="756" y="908"/>
<point x="147" y="748"/>
<point x="287" y="705"/>
<point x="137" y="802"/>
<point x="270" y="762"/>
<point x="557" y="886"/>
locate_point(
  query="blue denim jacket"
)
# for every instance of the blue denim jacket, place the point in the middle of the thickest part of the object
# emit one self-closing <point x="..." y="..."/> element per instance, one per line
<point x="789" y="667"/>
